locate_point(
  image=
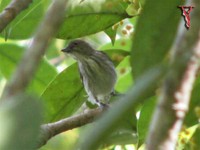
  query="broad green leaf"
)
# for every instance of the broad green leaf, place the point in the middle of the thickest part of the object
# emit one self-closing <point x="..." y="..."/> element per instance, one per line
<point x="121" y="138"/>
<point x="64" y="95"/>
<point x="54" y="50"/>
<point x="154" y="34"/>
<point x="89" y="17"/>
<point x="116" y="55"/>
<point x="134" y="20"/>
<point x="10" y="55"/>
<point x="20" y="119"/>
<point x="125" y="80"/>
<point x="25" y="23"/>
<point x="144" y="119"/>
<point x="82" y="25"/>
<point x="82" y="18"/>
<point x="111" y="34"/>
<point x="123" y="44"/>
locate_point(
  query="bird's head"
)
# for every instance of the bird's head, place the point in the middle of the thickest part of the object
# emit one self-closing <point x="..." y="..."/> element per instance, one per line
<point x="78" y="49"/>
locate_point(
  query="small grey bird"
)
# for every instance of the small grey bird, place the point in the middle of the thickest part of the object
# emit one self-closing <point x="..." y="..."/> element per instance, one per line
<point x="96" y="70"/>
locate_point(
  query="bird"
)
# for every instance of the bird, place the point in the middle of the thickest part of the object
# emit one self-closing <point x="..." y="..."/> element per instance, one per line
<point x="96" y="69"/>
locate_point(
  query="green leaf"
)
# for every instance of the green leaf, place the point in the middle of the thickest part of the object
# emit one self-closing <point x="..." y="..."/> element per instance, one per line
<point x="88" y="17"/>
<point x="10" y="55"/>
<point x="64" y="95"/>
<point x="81" y="25"/>
<point x="116" y="55"/>
<point x="20" y="119"/>
<point x="125" y="80"/>
<point x="145" y="118"/>
<point x="154" y="34"/>
<point x="123" y="44"/>
<point x="111" y="34"/>
<point x="121" y="138"/>
<point x="81" y="19"/>
<point x="25" y="23"/>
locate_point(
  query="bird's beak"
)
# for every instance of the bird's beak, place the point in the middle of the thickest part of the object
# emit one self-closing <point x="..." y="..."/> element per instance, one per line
<point x="66" y="50"/>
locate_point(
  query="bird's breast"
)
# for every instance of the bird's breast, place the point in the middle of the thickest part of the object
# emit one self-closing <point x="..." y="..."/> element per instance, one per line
<point x="98" y="77"/>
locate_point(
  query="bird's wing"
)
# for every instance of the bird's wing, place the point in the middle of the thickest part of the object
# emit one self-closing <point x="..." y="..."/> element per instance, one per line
<point x="81" y="77"/>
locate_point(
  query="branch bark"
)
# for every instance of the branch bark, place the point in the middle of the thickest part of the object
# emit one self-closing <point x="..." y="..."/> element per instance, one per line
<point x="11" y="11"/>
<point x="176" y="90"/>
<point x="52" y="129"/>
<point x="34" y="53"/>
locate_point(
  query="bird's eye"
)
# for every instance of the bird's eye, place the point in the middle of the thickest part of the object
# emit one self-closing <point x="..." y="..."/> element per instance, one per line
<point x="76" y="43"/>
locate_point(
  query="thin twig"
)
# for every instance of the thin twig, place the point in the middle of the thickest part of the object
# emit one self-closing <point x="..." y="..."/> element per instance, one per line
<point x="51" y="129"/>
<point x="176" y="90"/>
<point x="11" y="11"/>
<point x="34" y="53"/>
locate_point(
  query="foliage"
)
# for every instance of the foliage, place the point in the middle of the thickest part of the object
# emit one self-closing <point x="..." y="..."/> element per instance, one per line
<point x="110" y="25"/>
<point x="15" y="121"/>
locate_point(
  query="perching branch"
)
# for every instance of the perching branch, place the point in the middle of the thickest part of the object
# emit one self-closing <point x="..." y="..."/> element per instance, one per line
<point x="176" y="90"/>
<point x="34" y="53"/>
<point x="11" y="11"/>
<point x="51" y="129"/>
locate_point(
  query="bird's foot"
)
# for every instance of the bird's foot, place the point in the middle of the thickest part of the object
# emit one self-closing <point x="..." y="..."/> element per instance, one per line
<point x="103" y="106"/>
